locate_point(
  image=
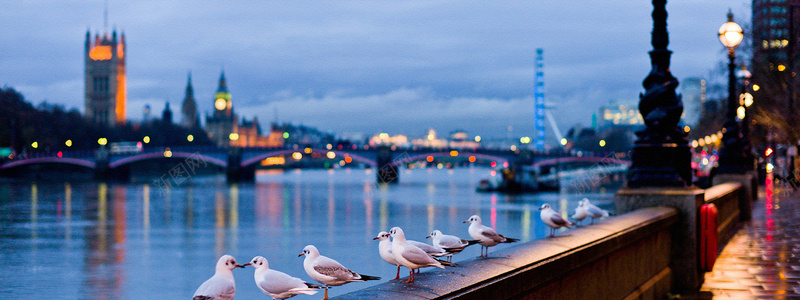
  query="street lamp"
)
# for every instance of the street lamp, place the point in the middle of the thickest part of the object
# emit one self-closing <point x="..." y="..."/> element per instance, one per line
<point x="732" y="157"/>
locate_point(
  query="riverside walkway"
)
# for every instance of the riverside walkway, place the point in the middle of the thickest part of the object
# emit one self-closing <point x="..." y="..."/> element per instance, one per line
<point x="762" y="261"/>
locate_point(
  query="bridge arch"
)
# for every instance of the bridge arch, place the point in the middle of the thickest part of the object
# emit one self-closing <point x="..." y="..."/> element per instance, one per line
<point x="157" y="155"/>
<point x="499" y="159"/>
<point x="49" y="160"/>
<point x="263" y="156"/>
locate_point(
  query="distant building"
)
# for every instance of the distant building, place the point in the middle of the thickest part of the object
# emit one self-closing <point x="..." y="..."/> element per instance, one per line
<point x="146" y="113"/>
<point x="776" y="24"/>
<point x="620" y="114"/>
<point x="693" y="91"/>
<point x="224" y="129"/>
<point x="430" y="141"/>
<point x="166" y="115"/>
<point x="460" y="140"/>
<point x="189" y="116"/>
<point x="105" y="93"/>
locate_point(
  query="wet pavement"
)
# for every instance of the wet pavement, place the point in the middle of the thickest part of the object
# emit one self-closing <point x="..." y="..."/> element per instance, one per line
<point x="762" y="261"/>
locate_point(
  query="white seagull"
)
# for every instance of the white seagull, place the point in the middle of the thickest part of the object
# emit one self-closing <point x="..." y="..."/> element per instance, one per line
<point x="221" y="286"/>
<point x="580" y="212"/>
<point x="410" y="256"/>
<point x="385" y="250"/>
<point x="328" y="271"/>
<point x="277" y="284"/>
<point x="553" y="219"/>
<point x="594" y="211"/>
<point x="451" y="243"/>
<point x="485" y="235"/>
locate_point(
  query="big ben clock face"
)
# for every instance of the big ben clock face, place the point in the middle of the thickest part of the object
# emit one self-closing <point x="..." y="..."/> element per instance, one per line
<point x="220" y="104"/>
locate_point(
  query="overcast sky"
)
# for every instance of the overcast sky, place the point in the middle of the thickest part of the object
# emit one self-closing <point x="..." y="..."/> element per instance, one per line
<point x="365" y="66"/>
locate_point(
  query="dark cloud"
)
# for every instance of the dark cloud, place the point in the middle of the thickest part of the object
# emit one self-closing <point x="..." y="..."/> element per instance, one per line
<point x="398" y="66"/>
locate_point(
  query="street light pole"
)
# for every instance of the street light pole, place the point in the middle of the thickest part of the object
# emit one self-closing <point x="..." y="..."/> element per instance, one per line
<point x="733" y="159"/>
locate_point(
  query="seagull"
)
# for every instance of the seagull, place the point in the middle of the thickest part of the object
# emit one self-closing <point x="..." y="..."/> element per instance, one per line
<point x="580" y="212"/>
<point x="221" y="286"/>
<point x="594" y="211"/>
<point x="277" y="284"/>
<point x="385" y="250"/>
<point x="485" y="235"/>
<point x="410" y="256"/>
<point x="553" y="219"/>
<point x="451" y="243"/>
<point x="328" y="271"/>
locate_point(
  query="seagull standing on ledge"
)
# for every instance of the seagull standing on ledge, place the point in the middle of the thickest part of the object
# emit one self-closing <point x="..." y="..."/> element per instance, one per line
<point x="277" y="284"/>
<point x="410" y="256"/>
<point x="221" y="286"/>
<point x="328" y="271"/>
<point x="385" y="250"/>
<point x="580" y="212"/>
<point x="594" y="211"/>
<point x="553" y="219"/>
<point x="486" y="236"/>
<point x="451" y="243"/>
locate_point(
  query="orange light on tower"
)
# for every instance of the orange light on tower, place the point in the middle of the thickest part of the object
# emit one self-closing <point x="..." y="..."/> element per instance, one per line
<point x="100" y="53"/>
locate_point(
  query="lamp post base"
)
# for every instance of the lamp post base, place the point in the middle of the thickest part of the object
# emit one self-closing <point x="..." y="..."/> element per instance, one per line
<point x="654" y="166"/>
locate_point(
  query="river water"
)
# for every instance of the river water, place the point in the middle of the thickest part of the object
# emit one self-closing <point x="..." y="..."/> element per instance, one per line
<point x="93" y="240"/>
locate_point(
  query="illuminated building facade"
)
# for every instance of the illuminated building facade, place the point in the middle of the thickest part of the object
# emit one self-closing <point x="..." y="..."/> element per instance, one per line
<point x="225" y="130"/>
<point x="105" y="94"/>
<point x="617" y="114"/>
<point x="693" y="91"/>
<point x="776" y="43"/>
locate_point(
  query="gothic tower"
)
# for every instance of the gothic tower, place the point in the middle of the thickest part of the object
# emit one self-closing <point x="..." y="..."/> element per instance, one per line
<point x="220" y="124"/>
<point x="189" y="118"/>
<point x="105" y="94"/>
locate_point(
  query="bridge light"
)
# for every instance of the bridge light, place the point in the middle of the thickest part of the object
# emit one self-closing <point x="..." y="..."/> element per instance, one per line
<point x="68" y="143"/>
<point x="453" y="153"/>
<point x="329" y="146"/>
<point x="429" y="158"/>
<point x="286" y="135"/>
<point x="563" y="141"/>
<point x="331" y="155"/>
<point x="190" y="138"/>
<point x="477" y="138"/>
<point x="472" y="159"/>
<point x="513" y="147"/>
<point x="35" y="145"/>
<point x="102" y="141"/>
<point x="348" y="159"/>
<point x="234" y="136"/>
<point x="59" y="154"/>
<point x="493" y="164"/>
<point x="694" y="144"/>
<point x="167" y="153"/>
<point x="146" y="139"/>
<point x="602" y="143"/>
<point x="307" y="150"/>
<point x="297" y="155"/>
<point x="505" y="165"/>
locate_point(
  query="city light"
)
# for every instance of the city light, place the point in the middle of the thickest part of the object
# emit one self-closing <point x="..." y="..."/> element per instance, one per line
<point x="513" y="147"/>
<point x="167" y="153"/>
<point x="768" y="152"/>
<point x="297" y="156"/>
<point x="493" y="164"/>
<point x="329" y="147"/>
<point x="770" y="167"/>
<point x="286" y="135"/>
<point x="68" y="143"/>
<point x="383" y="136"/>
<point x="348" y="159"/>
<point x="331" y="155"/>
<point x="429" y="158"/>
<point x="477" y="138"/>
<point x="190" y="138"/>
<point x="602" y="143"/>
<point x="234" y="136"/>
<point x="686" y="128"/>
<point x="146" y="139"/>
<point x="740" y="112"/>
<point x="748" y="99"/>
<point x="694" y="144"/>
<point x="59" y="154"/>
<point x="35" y="145"/>
<point x="472" y="159"/>
<point x="307" y="150"/>
<point x="781" y="68"/>
<point x="453" y="153"/>
<point x="102" y="141"/>
<point x="756" y="88"/>
<point x="525" y="140"/>
<point x="563" y="141"/>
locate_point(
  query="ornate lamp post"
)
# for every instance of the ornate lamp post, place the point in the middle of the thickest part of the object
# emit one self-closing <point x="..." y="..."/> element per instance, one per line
<point x="732" y="157"/>
<point x="661" y="156"/>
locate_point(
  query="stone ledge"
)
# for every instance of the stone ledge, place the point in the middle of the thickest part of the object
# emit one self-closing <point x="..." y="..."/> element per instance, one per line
<point x="540" y="262"/>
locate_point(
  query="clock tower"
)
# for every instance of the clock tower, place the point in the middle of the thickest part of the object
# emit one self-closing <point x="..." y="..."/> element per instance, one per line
<point x="220" y="124"/>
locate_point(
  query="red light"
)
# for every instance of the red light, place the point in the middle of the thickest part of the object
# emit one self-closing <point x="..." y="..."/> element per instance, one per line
<point x="703" y="153"/>
<point x="505" y="165"/>
<point x="493" y="164"/>
<point x="139" y="145"/>
<point x="59" y="154"/>
<point x="768" y="152"/>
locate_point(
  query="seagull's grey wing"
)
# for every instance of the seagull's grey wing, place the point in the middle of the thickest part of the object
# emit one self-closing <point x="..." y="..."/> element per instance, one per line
<point x="332" y="268"/>
<point x="596" y="211"/>
<point x="488" y="232"/>
<point x="450" y="241"/>
<point x="277" y="282"/>
<point x="216" y="288"/>
<point x="417" y="256"/>
<point x="558" y="220"/>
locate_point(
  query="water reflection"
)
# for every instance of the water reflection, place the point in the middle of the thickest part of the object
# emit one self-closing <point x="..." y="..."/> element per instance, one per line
<point x="129" y="240"/>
